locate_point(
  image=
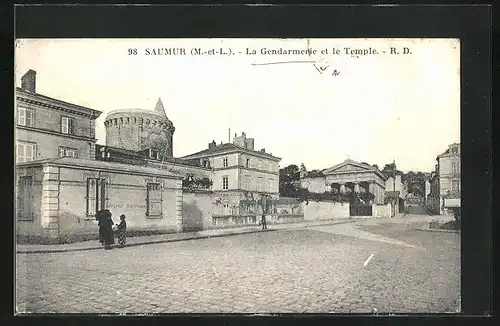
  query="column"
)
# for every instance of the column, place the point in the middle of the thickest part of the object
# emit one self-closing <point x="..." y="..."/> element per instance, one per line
<point x="371" y="188"/>
<point x="50" y="201"/>
<point x="178" y="205"/>
<point x="342" y="187"/>
<point x="356" y="187"/>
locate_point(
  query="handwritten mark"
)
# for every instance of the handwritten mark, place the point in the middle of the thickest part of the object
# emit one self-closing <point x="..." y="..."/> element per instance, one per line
<point x="368" y="260"/>
<point x="322" y="65"/>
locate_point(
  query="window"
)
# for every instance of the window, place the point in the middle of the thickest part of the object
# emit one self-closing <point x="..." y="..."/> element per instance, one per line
<point x="67" y="125"/>
<point x="247" y="164"/>
<point x="454" y="185"/>
<point x="260" y="165"/>
<point x="225" y="209"/>
<point x="96" y="195"/>
<point x="25" y="117"/>
<point x="270" y="185"/>
<point x="25" y="198"/>
<point x="225" y="183"/>
<point x="455" y="167"/>
<point x="153" y="200"/>
<point x="68" y="152"/>
<point x="26" y="152"/>
<point x="224" y="162"/>
<point x="248" y="183"/>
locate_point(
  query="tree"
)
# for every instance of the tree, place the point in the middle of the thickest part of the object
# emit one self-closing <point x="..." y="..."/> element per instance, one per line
<point x="288" y="177"/>
<point x="302" y="167"/>
<point x="391" y="170"/>
<point x="290" y="173"/>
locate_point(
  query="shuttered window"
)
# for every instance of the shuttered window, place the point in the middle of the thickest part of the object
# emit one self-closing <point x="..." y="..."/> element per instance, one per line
<point x="67" y="125"/>
<point x="153" y="200"/>
<point x="25" y="199"/>
<point x="96" y="195"/>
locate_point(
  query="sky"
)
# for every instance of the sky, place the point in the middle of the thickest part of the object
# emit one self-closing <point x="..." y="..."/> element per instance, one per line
<point x="368" y="107"/>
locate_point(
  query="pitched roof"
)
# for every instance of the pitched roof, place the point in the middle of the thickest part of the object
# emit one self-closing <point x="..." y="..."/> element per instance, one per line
<point x="227" y="147"/>
<point x="354" y="163"/>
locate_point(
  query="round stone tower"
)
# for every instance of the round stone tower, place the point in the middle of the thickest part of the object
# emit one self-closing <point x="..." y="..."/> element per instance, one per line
<point x="137" y="129"/>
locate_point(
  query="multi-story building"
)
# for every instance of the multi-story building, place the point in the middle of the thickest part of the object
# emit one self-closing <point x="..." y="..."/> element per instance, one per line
<point x="449" y="174"/>
<point x="239" y="173"/>
<point x="51" y="128"/>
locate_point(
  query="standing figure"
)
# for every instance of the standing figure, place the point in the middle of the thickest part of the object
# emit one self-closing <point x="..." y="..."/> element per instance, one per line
<point x="108" y="223"/>
<point x="263" y="222"/>
<point x="99" y="216"/>
<point x="122" y="227"/>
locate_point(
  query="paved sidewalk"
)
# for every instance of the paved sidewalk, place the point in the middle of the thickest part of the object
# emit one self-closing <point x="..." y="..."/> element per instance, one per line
<point x="172" y="237"/>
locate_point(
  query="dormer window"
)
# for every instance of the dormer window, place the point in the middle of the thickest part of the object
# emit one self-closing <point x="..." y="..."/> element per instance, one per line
<point x="154" y="154"/>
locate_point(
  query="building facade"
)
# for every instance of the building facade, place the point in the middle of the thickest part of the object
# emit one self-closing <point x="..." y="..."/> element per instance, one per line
<point x="60" y="185"/>
<point x="240" y="174"/>
<point x="349" y="176"/>
<point x="449" y="174"/>
<point x="50" y="128"/>
<point x="63" y="177"/>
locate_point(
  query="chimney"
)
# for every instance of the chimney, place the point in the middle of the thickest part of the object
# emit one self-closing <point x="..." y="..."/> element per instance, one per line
<point x="28" y="81"/>
<point x="213" y="144"/>
<point x="263" y="150"/>
<point x="249" y="144"/>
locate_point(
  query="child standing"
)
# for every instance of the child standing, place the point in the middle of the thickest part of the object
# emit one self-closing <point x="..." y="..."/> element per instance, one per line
<point x="122" y="227"/>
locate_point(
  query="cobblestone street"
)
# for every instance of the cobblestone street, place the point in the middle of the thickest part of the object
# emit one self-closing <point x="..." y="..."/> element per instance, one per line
<point x="359" y="267"/>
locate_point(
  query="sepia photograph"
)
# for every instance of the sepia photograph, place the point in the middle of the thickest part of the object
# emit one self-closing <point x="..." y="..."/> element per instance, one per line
<point x="237" y="175"/>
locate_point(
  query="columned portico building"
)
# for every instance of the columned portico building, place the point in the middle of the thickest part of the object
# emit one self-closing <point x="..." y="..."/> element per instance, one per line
<point x="351" y="176"/>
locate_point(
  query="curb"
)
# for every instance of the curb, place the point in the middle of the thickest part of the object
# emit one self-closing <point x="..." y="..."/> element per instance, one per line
<point x="437" y="230"/>
<point x="311" y="226"/>
<point x="43" y="251"/>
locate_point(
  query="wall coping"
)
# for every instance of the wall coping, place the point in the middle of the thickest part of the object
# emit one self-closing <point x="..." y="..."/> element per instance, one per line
<point x="101" y="166"/>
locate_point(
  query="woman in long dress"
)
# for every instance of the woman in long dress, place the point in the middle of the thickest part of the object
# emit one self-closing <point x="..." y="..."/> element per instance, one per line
<point x="99" y="216"/>
<point x="109" y="237"/>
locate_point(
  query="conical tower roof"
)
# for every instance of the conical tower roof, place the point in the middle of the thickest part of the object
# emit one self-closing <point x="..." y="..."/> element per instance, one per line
<point x="160" y="109"/>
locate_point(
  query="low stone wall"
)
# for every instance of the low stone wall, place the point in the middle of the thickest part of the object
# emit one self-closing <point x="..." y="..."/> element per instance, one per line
<point x="324" y="210"/>
<point x="226" y="221"/>
<point x="285" y="218"/>
<point x="381" y="210"/>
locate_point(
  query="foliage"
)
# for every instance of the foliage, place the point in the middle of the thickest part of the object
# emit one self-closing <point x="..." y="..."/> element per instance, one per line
<point x="192" y="182"/>
<point x="303" y="167"/>
<point x="306" y="196"/>
<point x="391" y="170"/>
<point x="366" y="196"/>
<point x="315" y="174"/>
<point x="288" y="177"/>
<point x="289" y="173"/>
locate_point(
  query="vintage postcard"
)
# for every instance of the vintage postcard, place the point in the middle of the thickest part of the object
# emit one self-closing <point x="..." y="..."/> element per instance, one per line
<point x="254" y="176"/>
